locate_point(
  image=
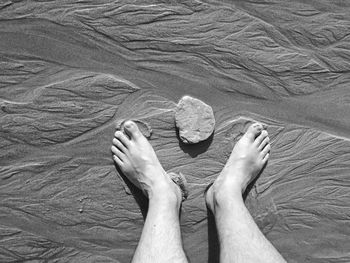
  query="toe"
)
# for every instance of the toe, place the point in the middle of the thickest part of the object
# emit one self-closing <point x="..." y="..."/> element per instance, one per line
<point x="254" y="130"/>
<point x="266" y="150"/>
<point x="118" y="161"/>
<point x="133" y="131"/>
<point x="118" y="153"/>
<point x="264" y="143"/>
<point x="266" y="158"/>
<point x="261" y="138"/>
<point x="122" y="138"/>
<point x="119" y="145"/>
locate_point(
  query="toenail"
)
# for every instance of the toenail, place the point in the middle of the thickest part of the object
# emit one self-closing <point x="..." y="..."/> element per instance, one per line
<point x="128" y="125"/>
<point x="258" y="125"/>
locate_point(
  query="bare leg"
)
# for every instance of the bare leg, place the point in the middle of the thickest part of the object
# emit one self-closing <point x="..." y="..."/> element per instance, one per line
<point x="161" y="238"/>
<point x="240" y="238"/>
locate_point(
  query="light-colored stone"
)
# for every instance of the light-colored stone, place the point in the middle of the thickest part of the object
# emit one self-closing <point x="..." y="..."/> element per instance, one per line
<point x="194" y="119"/>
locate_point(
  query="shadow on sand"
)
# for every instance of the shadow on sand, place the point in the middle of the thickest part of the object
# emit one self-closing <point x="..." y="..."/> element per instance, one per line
<point x="194" y="150"/>
<point x="140" y="198"/>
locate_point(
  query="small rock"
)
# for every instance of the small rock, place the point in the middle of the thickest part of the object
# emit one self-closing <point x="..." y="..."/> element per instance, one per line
<point x="194" y="119"/>
<point x="181" y="181"/>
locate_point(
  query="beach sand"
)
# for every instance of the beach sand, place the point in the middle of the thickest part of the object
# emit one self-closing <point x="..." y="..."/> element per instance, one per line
<point x="70" y="71"/>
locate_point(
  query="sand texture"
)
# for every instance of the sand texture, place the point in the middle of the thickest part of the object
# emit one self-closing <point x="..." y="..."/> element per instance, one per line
<point x="72" y="71"/>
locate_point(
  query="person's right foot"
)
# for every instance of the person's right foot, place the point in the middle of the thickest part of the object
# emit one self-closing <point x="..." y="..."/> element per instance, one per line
<point x="248" y="157"/>
<point x="136" y="158"/>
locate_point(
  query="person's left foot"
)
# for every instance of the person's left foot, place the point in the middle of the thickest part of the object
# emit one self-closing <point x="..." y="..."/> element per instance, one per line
<point x="247" y="159"/>
<point x="136" y="158"/>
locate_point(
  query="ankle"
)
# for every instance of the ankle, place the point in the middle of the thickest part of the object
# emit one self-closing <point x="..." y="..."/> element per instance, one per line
<point x="164" y="194"/>
<point x="225" y="194"/>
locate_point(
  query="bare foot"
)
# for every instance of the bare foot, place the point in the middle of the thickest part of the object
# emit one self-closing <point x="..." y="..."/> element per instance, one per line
<point x="136" y="158"/>
<point x="248" y="157"/>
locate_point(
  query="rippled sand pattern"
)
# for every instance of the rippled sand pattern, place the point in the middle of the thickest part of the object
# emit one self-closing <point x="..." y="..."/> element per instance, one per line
<point x="71" y="70"/>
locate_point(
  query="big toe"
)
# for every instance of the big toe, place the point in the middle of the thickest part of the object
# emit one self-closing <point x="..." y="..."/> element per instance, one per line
<point x="254" y="130"/>
<point x="132" y="130"/>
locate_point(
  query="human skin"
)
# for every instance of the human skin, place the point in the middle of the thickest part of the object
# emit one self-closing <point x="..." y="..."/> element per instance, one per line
<point x="161" y="237"/>
<point x="240" y="238"/>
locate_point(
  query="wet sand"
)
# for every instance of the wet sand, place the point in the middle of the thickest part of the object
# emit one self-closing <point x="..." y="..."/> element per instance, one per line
<point x="70" y="71"/>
